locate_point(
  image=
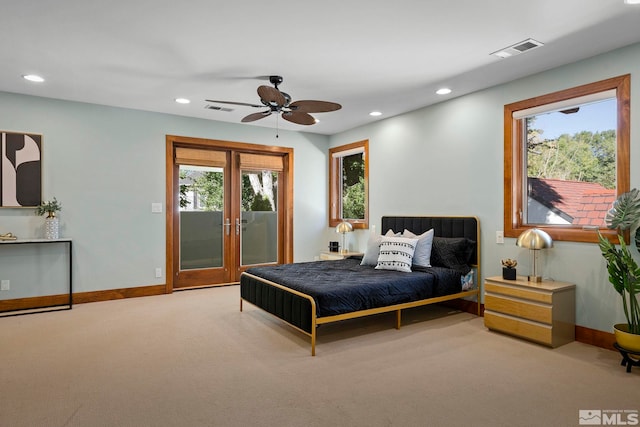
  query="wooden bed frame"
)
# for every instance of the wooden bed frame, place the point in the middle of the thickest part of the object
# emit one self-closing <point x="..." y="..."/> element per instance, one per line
<point x="299" y="310"/>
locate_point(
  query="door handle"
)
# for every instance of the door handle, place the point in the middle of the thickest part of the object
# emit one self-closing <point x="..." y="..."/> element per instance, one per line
<point x="227" y="226"/>
<point x="237" y="227"/>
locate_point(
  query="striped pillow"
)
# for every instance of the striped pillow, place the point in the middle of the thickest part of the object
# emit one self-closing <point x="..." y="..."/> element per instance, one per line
<point x="396" y="253"/>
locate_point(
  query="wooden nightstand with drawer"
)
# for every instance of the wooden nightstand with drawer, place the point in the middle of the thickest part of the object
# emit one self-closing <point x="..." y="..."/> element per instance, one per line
<point x="543" y="312"/>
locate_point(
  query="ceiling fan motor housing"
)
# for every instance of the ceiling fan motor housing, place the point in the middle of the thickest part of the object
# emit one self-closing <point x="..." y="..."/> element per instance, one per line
<point x="275" y="80"/>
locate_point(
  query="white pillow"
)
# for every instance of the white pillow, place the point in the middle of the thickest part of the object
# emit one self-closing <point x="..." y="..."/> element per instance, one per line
<point x="422" y="256"/>
<point x="396" y="253"/>
<point x="370" y="256"/>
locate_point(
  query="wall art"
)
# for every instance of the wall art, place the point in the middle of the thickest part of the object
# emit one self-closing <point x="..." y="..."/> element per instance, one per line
<point x="20" y="169"/>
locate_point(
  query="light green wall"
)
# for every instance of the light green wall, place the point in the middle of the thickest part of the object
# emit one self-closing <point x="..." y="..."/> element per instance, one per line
<point x="107" y="165"/>
<point x="448" y="159"/>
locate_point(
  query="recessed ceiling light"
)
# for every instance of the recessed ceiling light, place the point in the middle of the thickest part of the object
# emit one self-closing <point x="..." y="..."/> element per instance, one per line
<point x="182" y="100"/>
<point x="632" y="1"/>
<point x="375" y="113"/>
<point x="33" y="78"/>
<point x="443" y="91"/>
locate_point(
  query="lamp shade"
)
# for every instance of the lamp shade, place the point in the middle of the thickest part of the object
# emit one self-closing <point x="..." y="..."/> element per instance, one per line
<point x="534" y="238"/>
<point x="344" y="227"/>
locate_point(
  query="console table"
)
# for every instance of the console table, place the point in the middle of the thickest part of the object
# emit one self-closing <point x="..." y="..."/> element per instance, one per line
<point x="54" y="307"/>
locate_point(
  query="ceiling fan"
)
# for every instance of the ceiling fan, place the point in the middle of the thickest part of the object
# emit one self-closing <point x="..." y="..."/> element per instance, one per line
<point x="280" y="102"/>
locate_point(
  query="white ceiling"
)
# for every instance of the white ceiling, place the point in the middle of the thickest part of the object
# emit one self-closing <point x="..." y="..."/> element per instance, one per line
<point x="367" y="55"/>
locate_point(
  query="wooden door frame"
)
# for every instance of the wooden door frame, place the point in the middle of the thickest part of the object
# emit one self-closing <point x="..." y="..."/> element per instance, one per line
<point x="173" y="141"/>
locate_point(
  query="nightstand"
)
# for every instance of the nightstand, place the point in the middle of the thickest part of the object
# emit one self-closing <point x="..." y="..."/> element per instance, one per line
<point x="543" y="312"/>
<point x="327" y="256"/>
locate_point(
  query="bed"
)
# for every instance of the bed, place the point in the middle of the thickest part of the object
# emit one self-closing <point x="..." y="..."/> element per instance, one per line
<point x="309" y="294"/>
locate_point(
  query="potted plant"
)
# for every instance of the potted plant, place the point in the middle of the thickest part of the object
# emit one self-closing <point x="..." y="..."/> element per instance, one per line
<point x="624" y="273"/>
<point x="51" y="225"/>
<point x="49" y="207"/>
<point x="509" y="269"/>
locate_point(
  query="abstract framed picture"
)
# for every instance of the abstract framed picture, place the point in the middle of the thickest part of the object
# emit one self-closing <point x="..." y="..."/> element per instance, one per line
<point x="20" y="169"/>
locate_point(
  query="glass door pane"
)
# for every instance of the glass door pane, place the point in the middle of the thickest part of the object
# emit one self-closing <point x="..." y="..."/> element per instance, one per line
<point x="201" y="217"/>
<point x="259" y="217"/>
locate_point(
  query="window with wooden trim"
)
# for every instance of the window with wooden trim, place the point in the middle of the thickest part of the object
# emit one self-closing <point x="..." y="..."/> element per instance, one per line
<point x="349" y="184"/>
<point x="566" y="159"/>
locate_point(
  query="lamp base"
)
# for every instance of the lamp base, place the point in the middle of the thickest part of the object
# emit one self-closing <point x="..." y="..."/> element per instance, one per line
<point x="536" y="279"/>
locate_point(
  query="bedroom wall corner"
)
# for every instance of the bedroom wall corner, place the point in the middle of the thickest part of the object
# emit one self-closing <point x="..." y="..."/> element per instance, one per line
<point x="448" y="159"/>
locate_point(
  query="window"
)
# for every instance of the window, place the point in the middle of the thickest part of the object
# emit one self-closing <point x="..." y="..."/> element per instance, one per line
<point x="566" y="159"/>
<point x="349" y="184"/>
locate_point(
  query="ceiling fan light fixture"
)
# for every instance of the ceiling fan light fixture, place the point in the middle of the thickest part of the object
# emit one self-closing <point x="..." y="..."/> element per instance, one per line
<point x="182" y="100"/>
<point x="33" y="78"/>
<point x="278" y="102"/>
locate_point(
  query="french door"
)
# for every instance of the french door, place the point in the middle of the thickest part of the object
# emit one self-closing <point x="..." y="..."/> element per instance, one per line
<point x="228" y="208"/>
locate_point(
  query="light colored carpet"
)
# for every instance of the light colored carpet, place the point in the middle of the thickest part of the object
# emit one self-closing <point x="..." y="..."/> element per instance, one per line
<point x="193" y="359"/>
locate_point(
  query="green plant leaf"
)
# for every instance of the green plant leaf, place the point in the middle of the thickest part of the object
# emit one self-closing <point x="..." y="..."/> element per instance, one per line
<point x="625" y="211"/>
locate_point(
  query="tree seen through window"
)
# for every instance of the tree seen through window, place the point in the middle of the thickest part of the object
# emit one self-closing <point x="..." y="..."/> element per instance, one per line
<point x="353" y="200"/>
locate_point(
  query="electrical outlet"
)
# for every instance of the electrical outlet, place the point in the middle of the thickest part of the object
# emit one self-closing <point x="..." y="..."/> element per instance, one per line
<point x="5" y="285"/>
<point x="158" y="272"/>
<point x="156" y="207"/>
<point x="500" y="236"/>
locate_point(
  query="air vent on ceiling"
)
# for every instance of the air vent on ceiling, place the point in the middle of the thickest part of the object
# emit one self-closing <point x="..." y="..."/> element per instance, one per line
<point x="518" y="48"/>
<point x="217" y="108"/>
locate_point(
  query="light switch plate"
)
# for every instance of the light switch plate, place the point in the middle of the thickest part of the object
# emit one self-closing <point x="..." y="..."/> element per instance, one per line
<point x="5" y="285"/>
<point x="500" y="236"/>
<point x="156" y="207"/>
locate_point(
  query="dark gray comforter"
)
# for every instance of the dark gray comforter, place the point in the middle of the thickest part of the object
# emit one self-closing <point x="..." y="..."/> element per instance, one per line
<point x="345" y="286"/>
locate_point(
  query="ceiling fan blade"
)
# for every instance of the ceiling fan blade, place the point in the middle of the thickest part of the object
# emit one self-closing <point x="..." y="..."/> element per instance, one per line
<point x="234" y="103"/>
<point x="271" y="96"/>
<point x="298" y="118"/>
<point x="255" y="116"/>
<point x="310" y="106"/>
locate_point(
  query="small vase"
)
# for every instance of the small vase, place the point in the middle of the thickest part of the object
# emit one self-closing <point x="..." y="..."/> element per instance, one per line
<point x="509" y="273"/>
<point x="51" y="226"/>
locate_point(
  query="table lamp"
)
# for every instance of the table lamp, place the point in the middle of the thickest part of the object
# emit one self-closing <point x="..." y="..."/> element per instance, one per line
<point x="343" y="228"/>
<point x="534" y="239"/>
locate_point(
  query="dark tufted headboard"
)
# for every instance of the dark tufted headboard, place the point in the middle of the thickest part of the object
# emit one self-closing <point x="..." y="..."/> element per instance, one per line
<point x="443" y="226"/>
